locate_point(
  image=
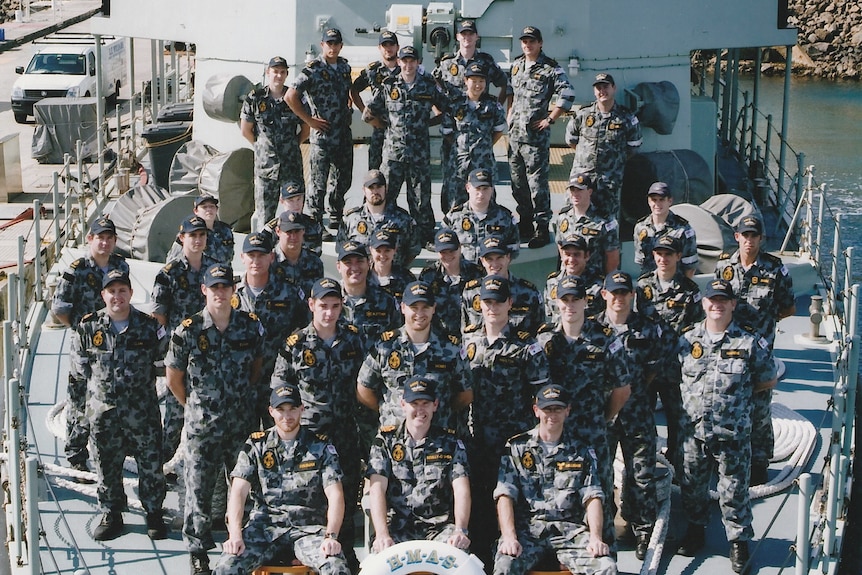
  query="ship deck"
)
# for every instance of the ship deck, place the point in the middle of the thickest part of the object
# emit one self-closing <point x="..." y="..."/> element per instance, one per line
<point x="69" y="512"/>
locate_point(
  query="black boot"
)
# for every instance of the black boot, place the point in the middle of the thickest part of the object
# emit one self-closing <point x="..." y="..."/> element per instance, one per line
<point x="694" y="540"/>
<point x="759" y="474"/>
<point x="110" y="527"/>
<point x="200" y="563"/>
<point x="525" y="229"/>
<point x="541" y="238"/>
<point x="642" y="546"/>
<point x="156" y="528"/>
<point x="738" y="555"/>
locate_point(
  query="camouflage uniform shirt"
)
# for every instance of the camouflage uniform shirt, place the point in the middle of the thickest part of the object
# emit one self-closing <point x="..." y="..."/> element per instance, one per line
<point x="360" y="225"/>
<point x="307" y="270"/>
<point x="534" y="89"/>
<point x="419" y="492"/>
<point x="276" y="126"/>
<point x="646" y="235"/>
<point x="327" y="91"/>
<point x="677" y="303"/>
<point x="450" y="71"/>
<point x="601" y="234"/>
<point x="473" y="229"/>
<point x="373" y="313"/>
<point x="447" y="293"/>
<point x="79" y="289"/>
<point x="761" y="291"/>
<point x="525" y="315"/>
<point x="595" y="302"/>
<point x="394" y="359"/>
<point x="177" y="290"/>
<point x="718" y="381"/>
<point x="220" y="244"/>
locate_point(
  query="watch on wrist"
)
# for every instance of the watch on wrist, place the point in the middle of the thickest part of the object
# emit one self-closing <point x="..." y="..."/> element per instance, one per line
<point x="331" y="535"/>
<point x="465" y="532"/>
<point x="550" y="120"/>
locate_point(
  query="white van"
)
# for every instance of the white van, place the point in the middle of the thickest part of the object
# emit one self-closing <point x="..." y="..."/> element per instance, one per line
<point x="66" y="67"/>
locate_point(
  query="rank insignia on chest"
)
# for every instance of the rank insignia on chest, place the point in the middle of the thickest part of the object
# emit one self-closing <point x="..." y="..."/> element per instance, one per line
<point x="394" y="94"/>
<point x="203" y="343"/>
<point x="394" y="361"/>
<point x="398" y="452"/>
<point x="91" y="280"/>
<point x="615" y="126"/>
<point x="308" y="358"/>
<point x="261" y="107"/>
<point x="569" y="466"/>
<point x="727" y="273"/>
<point x="466" y="225"/>
<point x="648" y="292"/>
<point x="362" y="227"/>
<point x="564" y="226"/>
<point x="98" y="339"/>
<point x="590" y="121"/>
<point x="268" y="459"/>
<point x="234" y="301"/>
<point x="471" y="351"/>
<point x="528" y="461"/>
<point x="697" y="350"/>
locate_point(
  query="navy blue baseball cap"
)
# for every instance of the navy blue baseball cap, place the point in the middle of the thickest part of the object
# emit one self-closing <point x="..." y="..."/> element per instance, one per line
<point x="408" y="52"/>
<point x="581" y="181"/>
<point x="493" y="245"/>
<point x="218" y="274"/>
<point x="116" y="276"/>
<point x="287" y="393"/>
<point x="531" y="32"/>
<point x="552" y="395"/>
<point x="103" y="224"/>
<point x="446" y="239"/>
<point x="192" y="224"/>
<point x="332" y="35"/>
<point x="618" y="280"/>
<point x="288" y="221"/>
<point x="351" y="248"/>
<point x="205" y="198"/>
<point x="719" y="288"/>
<point x="495" y="288"/>
<point x="291" y="189"/>
<point x="276" y="61"/>
<point x="418" y="291"/>
<point x="571" y="285"/>
<point x="659" y="189"/>
<point x="604" y="78"/>
<point x="257" y="242"/>
<point x="573" y="241"/>
<point x="467" y="25"/>
<point x="750" y="224"/>
<point x="324" y="287"/>
<point x="480" y="177"/>
<point x="387" y="36"/>
<point x="668" y="242"/>
<point x="419" y="387"/>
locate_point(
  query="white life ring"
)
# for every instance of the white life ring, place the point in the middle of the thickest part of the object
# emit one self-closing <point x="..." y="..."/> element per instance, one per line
<point x="422" y="556"/>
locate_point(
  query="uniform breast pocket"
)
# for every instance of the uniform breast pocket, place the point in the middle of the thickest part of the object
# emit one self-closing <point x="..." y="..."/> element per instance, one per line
<point x="568" y="481"/>
<point x="733" y="373"/>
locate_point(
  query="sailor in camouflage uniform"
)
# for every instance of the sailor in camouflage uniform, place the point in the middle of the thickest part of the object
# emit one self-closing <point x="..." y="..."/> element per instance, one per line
<point x="589" y="361"/>
<point x="372" y="76"/>
<point x="508" y="367"/>
<point x="275" y="132"/>
<point x="279" y="305"/>
<point x="526" y="313"/>
<point x="413" y="350"/>
<point x="419" y="485"/>
<point x="292" y="473"/>
<point x="375" y="214"/>
<point x="324" y="83"/>
<point x="299" y="265"/>
<point x="177" y="295"/>
<point x="78" y="294"/>
<point x="663" y="222"/>
<point x="113" y="355"/>
<point x="481" y="216"/>
<point x="549" y="496"/>
<point x="602" y="234"/>
<point x="722" y="367"/>
<point x="451" y="74"/>
<point x="293" y="200"/>
<point x="323" y="359"/>
<point x="574" y="254"/>
<point x="536" y="81"/>
<point x="219" y="351"/>
<point x="472" y="125"/>
<point x="667" y="293"/>
<point x="447" y="277"/>
<point x="369" y="307"/>
<point x="220" y="241"/>
<point x="404" y="107"/>
<point x="604" y="135"/>
<point x="647" y="344"/>
<point x="765" y="295"/>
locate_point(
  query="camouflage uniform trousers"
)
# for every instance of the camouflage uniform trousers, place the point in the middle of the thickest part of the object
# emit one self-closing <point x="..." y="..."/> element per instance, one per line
<point x="599" y="441"/>
<point x="417" y="174"/>
<point x="77" y="425"/>
<point x="484" y="467"/>
<point x="638" y="496"/>
<point x="450" y="195"/>
<point x="266" y="195"/>
<point x="350" y="456"/>
<point x="208" y="457"/>
<point x="733" y="460"/>
<point x="375" y="148"/>
<point x="671" y="399"/>
<point x="567" y="540"/>
<point x="762" y="434"/>
<point x="530" y="167"/>
<point x="260" y="549"/>
<point x="116" y="435"/>
<point x="606" y="197"/>
<point x="331" y="167"/>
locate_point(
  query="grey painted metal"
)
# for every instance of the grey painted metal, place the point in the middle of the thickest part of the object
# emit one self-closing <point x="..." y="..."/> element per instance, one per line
<point x="37" y="245"/>
<point x="733" y="73"/>
<point x="31" y="471"/>
<point x="14" y="469"/>
<point x="154" y="103"/>
<point x="132" y="92"/>
<point x="55" y="199"/>
<point x="22" y="292"/>
<point x="821" y="206"/>
<point x="785" y="118"/>
<point x="12" y="291"/>
<point x="803" y="524"/>
<point x="836" y="250"/>
<point x="743" y="130"/>
<point x="755" y="101"/>
<point x="100" y="111"/>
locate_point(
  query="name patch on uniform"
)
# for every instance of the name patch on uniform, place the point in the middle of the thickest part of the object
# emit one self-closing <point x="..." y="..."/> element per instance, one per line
<point x="761" y="281"/>
<point x="588" y="232"/>
<point x="241" y="344"/>
<point x="569" y="465"/>
<point x="307" y="466"/>
<point x="438" y="457"/>
<point x="734" y="354"/>
<point x="505" y="361"/>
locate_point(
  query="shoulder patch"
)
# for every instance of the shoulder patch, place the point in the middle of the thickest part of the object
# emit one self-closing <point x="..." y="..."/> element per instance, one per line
<point x="374" y="65"/>
<point x="527" y="283"/>
<point x="186" y="322"/>
<point x="523" y="335"/>
<point x="353" y="210"/>
<point x="387" y="335"/>
<point x="471" y="284"/>
<point x="471" y="328"/>
<point x="89" y="316"/>
<point x="322" y="436"/>
<point x="77" y="263"/>
<point x="352" y="328"/>
<point x="387" y="429"/>
<point x="454" y="339"/>
<point x="724" y="256"/>
<point x="257" y="435"/>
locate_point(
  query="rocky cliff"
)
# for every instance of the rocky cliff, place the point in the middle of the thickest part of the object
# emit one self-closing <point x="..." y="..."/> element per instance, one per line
<point x="830" y="38"/>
